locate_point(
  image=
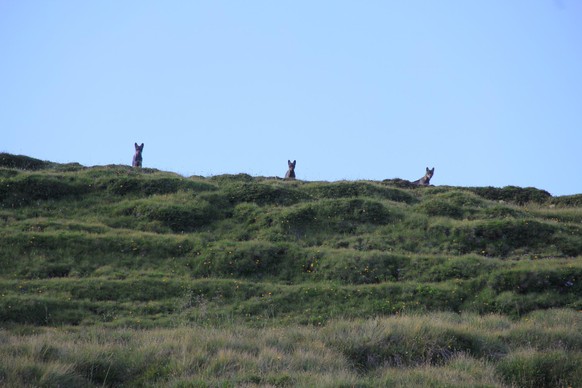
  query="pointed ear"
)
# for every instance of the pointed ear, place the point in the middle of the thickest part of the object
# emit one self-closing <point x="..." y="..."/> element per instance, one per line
<point x="294" y="163"/>
<point x="141" y="146"/>
<point x="136" y="146"/>
<point x="427" y="169"/>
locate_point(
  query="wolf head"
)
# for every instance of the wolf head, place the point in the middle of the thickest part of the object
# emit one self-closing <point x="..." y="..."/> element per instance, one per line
<point x="429" y="173"/>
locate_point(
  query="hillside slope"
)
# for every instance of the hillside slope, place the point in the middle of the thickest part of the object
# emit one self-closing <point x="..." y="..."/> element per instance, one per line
<point x="119" y="246"/>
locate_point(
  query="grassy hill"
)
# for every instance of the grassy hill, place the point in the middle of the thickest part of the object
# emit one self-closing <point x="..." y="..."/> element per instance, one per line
<point x="238" y="280"/>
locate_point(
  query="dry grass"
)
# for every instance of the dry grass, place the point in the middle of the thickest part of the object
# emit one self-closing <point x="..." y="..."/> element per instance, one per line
<point x="438" y="350"/>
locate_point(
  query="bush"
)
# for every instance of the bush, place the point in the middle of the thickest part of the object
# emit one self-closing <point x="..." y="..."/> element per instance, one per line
<point x="231" y="178"/>
<point x="354" y="267"/>
<point x="263" y="194"/>
<point x="406" y="342"/>
<point x="24" y="189"/>
<point x="145" y="289"/>
<point x="22" y="162"/>
<point x="530" y="368"/>
<point x="140" y="185"/>
<point x="179" y="217"/>
<point x="569" y="240"/>
<point x="40" y="310"/>
<point x="81" y="253"/>
<point x="339" y="216"/>
<point x="513" y="194"/>
<point x="356" y="189"/>
<point x="250" y="260"/>
<point x="527" y="279"/>
<point x="453" y="204"/>
<point x="463" y="267"/>
<point x="568" y="200"/>
<point x="501" y="237"/>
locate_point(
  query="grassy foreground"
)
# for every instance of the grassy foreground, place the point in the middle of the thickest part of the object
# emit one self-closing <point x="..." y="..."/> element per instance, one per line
<point x="542" y="349"/>
<point x="111" y="276"/>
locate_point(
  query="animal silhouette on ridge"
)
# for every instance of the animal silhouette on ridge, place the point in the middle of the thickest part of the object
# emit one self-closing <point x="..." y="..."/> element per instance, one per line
<point x="425" y="180"/>
<point x="291" y="172"/>
<point x="137" y="158"/>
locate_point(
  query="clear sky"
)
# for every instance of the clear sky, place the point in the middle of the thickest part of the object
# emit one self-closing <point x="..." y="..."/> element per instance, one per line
<point x="489" y="92"/>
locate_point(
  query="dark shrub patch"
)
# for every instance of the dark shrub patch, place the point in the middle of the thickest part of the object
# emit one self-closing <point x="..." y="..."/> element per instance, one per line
<point x="178" y="217"/>
<point x="441" y="208"/>
<point x="464" y="267"/>
<point x="453" y="204"/>
<point x="22" y="162"/>
<point x="542" y="369"/>
<point x="126" y="290"/>
<point x="341" y="215"/>
<point x="526" y="280"/>
<point x="355" y="267"/>
<point x="263" y="194"/>
<point x="356" y="189"/>
<point x="37" y="310"/>
<point x="248" y="259"/>
<point x="568" y="200"/>
<point x="230" y="178"/>
<point x="401" y="183"/>
<point x="136" y="184"/>
<point x="513" y="194"/>
<point x="500" y="237"/>
<point x="7" y="173"/>
<point x="24" y="189"/>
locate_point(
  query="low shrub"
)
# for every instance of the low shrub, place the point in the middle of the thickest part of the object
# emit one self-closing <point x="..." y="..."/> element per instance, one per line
<point x="461" y="372"/>
<point x="345" y="189"/>
<point x="179" y="217"/>
<point x="137" y="184"/>
<point x="531" y="368"/>
<point x="39" y="310"/>
<point x="263" y="193"/>
<point x="24" y="189"/>
<point x="22" y="162"/>
<point x="355" y="267"/>
<point x="526" y="278"/>
<point x="400" y="183"/>
<point x="453" y="204"/>
<point x="501" y="237"/>
<point x="462" y="267"/>
<point x="83" y="253"/>
<point x="515" y="304"/>
<point x="517" y="195"/>
<point x="249" y="260"/>
<point x="144" y="289"/>
<point x="226" y="179"/>
<point x="338" y="216"/>
<point x="406" y="341"/>
<point x="567" y="201"/>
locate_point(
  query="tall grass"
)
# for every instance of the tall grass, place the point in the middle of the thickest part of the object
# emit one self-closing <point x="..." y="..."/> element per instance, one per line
<point x="409" y="350"/>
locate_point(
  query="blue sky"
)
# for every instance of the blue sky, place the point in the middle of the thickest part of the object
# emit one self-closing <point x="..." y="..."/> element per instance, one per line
<point x="488" y="92"/>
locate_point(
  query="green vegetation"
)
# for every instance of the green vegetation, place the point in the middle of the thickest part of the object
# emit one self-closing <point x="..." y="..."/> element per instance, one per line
<point x="115" y="276"/>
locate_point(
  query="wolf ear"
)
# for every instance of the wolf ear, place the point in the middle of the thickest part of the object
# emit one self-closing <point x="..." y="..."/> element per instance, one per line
<point x="141" y="146"/>
<point x="427" y="169"/>
<point x="136" y="146"/>
<point x="294" y="163"/>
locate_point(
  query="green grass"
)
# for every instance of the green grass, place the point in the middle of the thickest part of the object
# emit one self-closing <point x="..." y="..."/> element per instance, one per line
<point x="284" y="282"/>
<point x="438" y="349"/>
